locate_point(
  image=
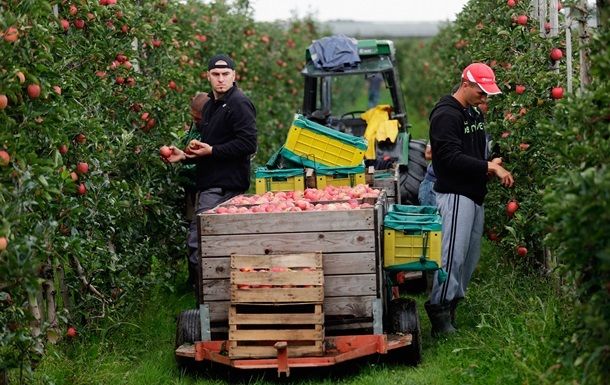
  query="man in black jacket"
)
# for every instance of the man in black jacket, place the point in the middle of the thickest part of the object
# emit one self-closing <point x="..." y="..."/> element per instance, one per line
<point x="222" y="156"/>
<point x="460" y="161"/>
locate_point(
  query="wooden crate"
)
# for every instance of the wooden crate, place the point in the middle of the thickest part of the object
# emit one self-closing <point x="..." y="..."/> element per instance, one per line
<point x="276" y="298"/>
<point x="294" y="278"/>
<point x="348" y="240"/>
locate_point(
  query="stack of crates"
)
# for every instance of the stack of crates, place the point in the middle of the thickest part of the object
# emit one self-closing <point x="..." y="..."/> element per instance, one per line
<point x="412" y="238"/>
<point x="276" y="298"/>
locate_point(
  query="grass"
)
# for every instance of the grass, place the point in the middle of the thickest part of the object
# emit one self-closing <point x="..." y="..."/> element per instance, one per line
<point x="511" y="325"/>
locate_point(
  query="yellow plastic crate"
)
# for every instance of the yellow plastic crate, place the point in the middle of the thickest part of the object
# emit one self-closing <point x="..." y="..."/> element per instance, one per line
<point x="279" y="180"/>
<point x="314" y="145"/>
<point x="337" y="180"/>
<point x="400" y="248"/>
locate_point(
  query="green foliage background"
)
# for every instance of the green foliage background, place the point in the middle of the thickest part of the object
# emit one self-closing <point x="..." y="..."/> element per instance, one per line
<point x="127" y="232"/>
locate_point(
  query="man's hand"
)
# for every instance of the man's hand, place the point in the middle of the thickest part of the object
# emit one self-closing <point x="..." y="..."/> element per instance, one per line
<point x="177" y="155"/>
<point x="197" y="148"/>
<point x="497" y="161"/>
<point x="506" y="178"/>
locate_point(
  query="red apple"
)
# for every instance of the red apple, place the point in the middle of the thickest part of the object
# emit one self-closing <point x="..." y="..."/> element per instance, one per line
<point x="556" y="54"/>
<point x="3" y="101"/>
<point x="57" y="90"/>
<point x="65" y="24"/>
<point x="124" y="28"/>
<point x="547" y="27"/>
<point x="172" y="84"/>
<point x="520" y="89"/>
<point x="522" y="20"/>
<point x="80" y="138"/>
<point x="71" y="332"/>
<point x="81" y="189"/>
<point x="165" y="151"/>
<point x="4" y="158"/>
<point x="557" y="92"/>
<point x="523" y="146"/>
<point x="511" y="207"/>
<point x="492" y="235"/>
<point x="145" y="116"/>
<point x="150" y="123"/>
<point x="33" y="91"/>
<point x="73" y="176"/>
<point x="511" y="3"/>
<point x="73" y="10"/>
<point x="522" y="251"/>
<point x="79" y="23"/>
<point x="3" y="243"/>
<point x="63" y="149"/>
<point x="82" y="167"/>
<point x="11" y="35"/>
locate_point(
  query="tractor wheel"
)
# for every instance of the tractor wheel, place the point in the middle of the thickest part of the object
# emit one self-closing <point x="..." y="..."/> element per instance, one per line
<point x="188" y="330"/>
<point x="404" y="319"/>
<point x="412" y="174"/>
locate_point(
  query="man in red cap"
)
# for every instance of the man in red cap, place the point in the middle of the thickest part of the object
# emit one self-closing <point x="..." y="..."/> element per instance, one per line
<point x="460" y="161"/>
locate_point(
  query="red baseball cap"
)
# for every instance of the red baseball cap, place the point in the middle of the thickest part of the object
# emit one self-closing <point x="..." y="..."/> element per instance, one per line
<point x="484" y="77"/>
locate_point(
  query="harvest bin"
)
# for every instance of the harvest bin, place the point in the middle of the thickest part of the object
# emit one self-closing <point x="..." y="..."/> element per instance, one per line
<point x="339" y="176"/>
<point x="314" y="145"/>
<point x="288" y="179"/>
<point x="412" y="238"/>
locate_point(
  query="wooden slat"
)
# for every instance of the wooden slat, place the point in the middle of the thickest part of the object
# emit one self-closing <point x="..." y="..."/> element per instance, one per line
<point x="276" y="335"/>
<point x="270" y="351"/>
<point x="277" y="319"/>
<point x="330" y="242"/>
<point x="277" y="294"/>
<point x="311" y="260"/>
<point x="333" y="307"/>
<point x="319" y="221"/>
<point x="315" y="278"/>
<point x="336" y="263"/>
<point x="334" y="286"/>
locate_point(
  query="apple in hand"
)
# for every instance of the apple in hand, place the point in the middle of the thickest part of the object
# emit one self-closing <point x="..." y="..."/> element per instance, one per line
<point x="165" y="151"/>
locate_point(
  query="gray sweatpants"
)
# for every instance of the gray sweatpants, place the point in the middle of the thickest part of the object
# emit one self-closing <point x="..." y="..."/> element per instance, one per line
<point x="206" y="200"/>
<point x="461" y="245"/>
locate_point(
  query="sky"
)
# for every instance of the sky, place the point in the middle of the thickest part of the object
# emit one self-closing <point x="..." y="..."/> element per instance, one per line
<point x="359" y="10"/>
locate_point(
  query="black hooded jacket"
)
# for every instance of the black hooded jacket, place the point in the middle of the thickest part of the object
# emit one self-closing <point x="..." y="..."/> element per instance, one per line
<point x="229" y="126"/>
<point x="458" y="139"/>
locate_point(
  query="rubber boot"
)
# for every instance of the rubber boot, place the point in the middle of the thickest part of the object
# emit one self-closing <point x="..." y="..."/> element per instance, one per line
<point x="453" y="306"/>
<point x="440" y="318"/>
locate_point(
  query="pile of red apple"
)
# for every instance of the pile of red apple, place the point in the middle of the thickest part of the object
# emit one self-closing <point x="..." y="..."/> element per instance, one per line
<point x="274" y="269"/>
<point x="331" y="198"/>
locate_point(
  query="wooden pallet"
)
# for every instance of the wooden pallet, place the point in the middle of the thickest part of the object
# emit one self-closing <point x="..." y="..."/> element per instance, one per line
<point x="276" y="298"/>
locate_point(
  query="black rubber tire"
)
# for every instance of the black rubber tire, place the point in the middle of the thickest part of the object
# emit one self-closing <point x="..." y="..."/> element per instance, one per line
<point x="188" y="330"/>
<point x="188" y="327"/>
<point x="404" y="319"/>
<point x="413" y="173"/>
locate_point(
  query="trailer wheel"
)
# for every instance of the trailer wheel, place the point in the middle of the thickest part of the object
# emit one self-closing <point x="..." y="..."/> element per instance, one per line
<point x="404" y="319"/>
<point x="413" y="173"/>
<point x="188" y="330"/>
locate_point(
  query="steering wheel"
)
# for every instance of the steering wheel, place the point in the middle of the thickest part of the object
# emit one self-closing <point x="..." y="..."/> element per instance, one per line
<point x="352" y="113"/>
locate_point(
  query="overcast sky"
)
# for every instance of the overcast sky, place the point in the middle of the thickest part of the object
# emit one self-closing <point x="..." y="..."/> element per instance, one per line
<point x="361" y="10"/>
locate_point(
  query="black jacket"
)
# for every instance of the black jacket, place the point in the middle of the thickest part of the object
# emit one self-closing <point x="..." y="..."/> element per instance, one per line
<point x="459" y="143"/>
<point x="229" y="126"/>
